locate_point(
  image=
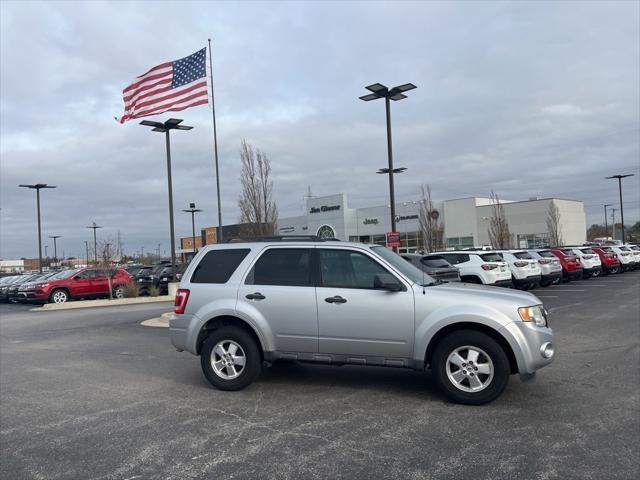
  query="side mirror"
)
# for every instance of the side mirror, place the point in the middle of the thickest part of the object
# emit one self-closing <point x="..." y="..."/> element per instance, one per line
<point x="386" y="281"/>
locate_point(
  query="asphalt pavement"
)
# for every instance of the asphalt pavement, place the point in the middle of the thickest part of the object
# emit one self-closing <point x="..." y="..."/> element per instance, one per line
<point x="92" y="394"/>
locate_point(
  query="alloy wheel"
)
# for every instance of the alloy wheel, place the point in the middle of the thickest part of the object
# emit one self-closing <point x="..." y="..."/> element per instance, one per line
<point x="59" y="297"/>
<point x="469" y="368"/>
<point x="228" y="359"/>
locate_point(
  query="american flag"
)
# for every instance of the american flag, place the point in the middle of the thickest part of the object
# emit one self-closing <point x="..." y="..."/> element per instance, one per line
<point x="168" y="87"/>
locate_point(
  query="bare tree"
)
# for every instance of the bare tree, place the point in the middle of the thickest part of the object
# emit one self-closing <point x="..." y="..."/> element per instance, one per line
<point x="553" y="225"/>
<point x="258" y="210"/>
<point x="432" y="230"/>
<point x="105" y="258"/>
<point x="499" y="234"/>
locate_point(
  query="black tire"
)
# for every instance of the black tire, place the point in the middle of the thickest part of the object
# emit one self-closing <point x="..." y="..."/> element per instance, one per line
<point x="596" y="273"/>
<point x="494" y="351"/>
<point x="61" y="294"/>
<point x="253" y="360"/>
<point x="544" y="284"/>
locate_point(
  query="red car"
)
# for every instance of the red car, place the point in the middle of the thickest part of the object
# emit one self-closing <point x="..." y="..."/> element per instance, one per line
<point x="608" y="258"/>
<point x="73" y="284"/>
<point x="571" y="266"/>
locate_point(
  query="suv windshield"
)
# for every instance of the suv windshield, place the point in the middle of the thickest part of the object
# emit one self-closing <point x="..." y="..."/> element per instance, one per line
<point x="568" y="251"/>
<point x="546" y="254"/>
<point x="66" y="274"/>
<point x="587" y="251"/>
<point x="407" y="269"/>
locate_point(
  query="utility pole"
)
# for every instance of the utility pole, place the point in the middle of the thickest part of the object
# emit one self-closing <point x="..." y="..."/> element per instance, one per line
<point x="95" y="242"/>
<point x="55" y="249"/>
<point x="606" y="228"/>
<point x="86" y="246"/>
<point x="619" y="178"/>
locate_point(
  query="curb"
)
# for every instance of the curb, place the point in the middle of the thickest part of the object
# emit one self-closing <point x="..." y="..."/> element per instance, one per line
<point x="102" y="303"/>
<point x="158" y="322"/>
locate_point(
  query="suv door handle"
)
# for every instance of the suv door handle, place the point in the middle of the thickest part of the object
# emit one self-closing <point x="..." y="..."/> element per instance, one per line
<point x="255" y="296"/>
<point x="336" y="299"/>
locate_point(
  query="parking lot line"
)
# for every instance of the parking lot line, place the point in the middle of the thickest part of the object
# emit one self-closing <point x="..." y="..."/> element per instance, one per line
<point x="567" y="290"/>
<point x="547" y="296"/>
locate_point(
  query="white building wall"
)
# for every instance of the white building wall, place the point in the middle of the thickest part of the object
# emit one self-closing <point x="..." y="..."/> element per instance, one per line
<point x="459" y="218"/>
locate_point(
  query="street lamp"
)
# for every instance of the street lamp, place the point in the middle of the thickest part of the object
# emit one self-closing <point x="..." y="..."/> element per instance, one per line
<point x="55" y="249"/>
<point x="396" y="93"/>
<point x="166" y="127"/>
<point x="37" y="188"/>
<point x="95" y="242"/>
<point x="620" y="177"/>
<point x="606" y="227"/>
<point x="192" y="209"/>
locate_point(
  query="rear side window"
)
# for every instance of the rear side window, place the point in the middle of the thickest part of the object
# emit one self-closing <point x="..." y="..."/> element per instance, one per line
<point x="491" y="257"/>
<point x="524" y="255"/>
<point x="217" y="266"/>
<point x="546" y="254"/>
<point x="282" y="266"/>
<point x="348" y="269"/>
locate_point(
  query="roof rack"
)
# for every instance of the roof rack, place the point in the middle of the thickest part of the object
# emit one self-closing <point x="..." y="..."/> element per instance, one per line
<point x="282" y="238"/>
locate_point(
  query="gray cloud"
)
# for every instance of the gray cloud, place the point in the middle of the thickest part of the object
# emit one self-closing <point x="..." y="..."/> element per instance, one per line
<point x="528" y="99"/>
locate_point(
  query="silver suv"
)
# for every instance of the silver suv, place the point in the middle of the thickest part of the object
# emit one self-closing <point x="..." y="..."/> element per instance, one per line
<point x="244" y="305"/>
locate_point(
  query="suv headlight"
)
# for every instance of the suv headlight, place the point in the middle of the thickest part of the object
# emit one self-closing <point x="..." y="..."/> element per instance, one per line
<point x="534" y="314"/>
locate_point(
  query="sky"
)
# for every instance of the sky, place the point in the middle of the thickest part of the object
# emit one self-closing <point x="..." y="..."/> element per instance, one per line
<point x="522" y="98"/>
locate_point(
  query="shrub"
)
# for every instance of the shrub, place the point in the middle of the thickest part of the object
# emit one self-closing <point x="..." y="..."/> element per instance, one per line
<point x="131" y="290"/>
<point x="154" y="291"/>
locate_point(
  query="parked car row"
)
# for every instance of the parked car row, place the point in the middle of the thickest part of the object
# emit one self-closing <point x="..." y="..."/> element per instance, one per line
<point x="65" y="285"/>
<point x="527" y="269"/>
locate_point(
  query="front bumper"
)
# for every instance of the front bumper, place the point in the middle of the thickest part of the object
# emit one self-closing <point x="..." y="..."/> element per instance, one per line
<point x="33" y="297"/>
<point x="527" y="342"/>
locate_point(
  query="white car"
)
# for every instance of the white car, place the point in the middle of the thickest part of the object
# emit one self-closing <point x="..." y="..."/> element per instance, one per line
<point x="626" y="256"/>
<point x="590" y="261"/>
<point x="487" y="268"/>
<point x="525" y="270"/>
<point x="550" y="267"/>
<point x="635" y="249"/>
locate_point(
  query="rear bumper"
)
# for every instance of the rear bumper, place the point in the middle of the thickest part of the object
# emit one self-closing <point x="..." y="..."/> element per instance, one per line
<point x="589" y="271"/>
<point x="502" y="283"/>
<point x="574" y="275"/>
<point x="551" y="277"/>
<point x="527" y="280"/>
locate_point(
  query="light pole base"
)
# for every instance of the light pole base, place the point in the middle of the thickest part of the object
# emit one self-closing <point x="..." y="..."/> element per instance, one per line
<point x="173" y="288"/>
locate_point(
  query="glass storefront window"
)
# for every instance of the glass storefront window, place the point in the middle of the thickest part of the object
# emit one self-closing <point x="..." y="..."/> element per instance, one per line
<point x="458" y="243"/>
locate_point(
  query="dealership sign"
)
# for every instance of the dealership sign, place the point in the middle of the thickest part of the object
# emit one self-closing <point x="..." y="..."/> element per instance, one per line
<point x="370" y="221"/>
<point x="393" y="239"/>
<point x="324" y="208"/>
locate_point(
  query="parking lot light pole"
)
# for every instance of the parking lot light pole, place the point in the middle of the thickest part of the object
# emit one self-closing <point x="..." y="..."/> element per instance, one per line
<point x="95" y="242"/>
<point x="620" y="177"/>
<point x="396" y="93"/>
<point x="86" y="246"/>
<point x="166" y="127"/>
<point x="606" y="226"/>
<point x="192" y="209"/>
<point x="55" y="249"/>
<point x="37" y="187"/>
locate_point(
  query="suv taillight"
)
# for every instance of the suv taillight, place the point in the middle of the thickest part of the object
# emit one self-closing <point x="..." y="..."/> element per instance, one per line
<point x="520" y="264"/>
<point x="544" y="261"/>
<point x="182" y="297"/>
<point x="486" y="266"/>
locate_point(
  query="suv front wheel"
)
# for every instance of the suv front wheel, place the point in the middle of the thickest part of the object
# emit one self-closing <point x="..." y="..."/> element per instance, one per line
<point x="470" y="367"/>
<point x="230" y="358"/>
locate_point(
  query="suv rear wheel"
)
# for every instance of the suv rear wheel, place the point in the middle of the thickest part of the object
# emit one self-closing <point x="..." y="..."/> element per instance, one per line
<point x="470" y="367"/>
<point x="230" y="358"/>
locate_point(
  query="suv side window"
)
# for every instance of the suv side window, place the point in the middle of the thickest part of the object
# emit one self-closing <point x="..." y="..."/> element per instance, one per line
<point x="86" y="275"/>
<point x="217" y="266"/>
<point x="348" y="269"/>
<point x="282" y="266"/>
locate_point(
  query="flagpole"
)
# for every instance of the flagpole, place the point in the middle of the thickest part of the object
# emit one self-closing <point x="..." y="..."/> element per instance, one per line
<point x="215" y="148"/>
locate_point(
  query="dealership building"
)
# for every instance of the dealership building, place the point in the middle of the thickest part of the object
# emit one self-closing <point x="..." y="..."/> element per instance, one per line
<point x="465" y="222"/>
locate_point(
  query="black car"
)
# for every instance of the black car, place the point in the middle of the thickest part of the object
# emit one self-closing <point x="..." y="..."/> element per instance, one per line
<point x="149" y="277"/>
<point x="434" y="265"/>
<point x="11" y="293"/>
<point x="165" y="275"/>
<point x="5" y="285"/>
